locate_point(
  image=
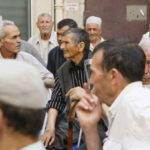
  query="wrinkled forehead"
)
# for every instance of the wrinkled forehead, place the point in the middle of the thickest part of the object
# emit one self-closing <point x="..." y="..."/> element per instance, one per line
<point x="92" y="25"/>
<point x="11" y="30"/>
<point x="43" y="18"/>
<point x="67" y="38"/>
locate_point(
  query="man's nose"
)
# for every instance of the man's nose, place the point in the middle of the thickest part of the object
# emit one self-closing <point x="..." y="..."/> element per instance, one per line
<point x="147" y="68"/>
<point x="62" y="46"/>
<point x="18" y="39"/>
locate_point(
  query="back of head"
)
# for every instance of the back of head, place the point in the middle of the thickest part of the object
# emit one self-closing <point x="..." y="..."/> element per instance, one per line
<point x="79" y="35"/>
<point x="95" y="20"/>
<point x="21" y="85"/>
<point x="128" y="59"/>
<point x="22" y="96"/>
<point x="67" y="22"/>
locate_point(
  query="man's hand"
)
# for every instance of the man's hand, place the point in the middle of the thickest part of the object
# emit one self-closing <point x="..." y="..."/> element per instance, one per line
<point x="76" y="93"/>
<point x="48" y="137"/>
<point x="88" y="109"/>
<point x="89" y="113"/>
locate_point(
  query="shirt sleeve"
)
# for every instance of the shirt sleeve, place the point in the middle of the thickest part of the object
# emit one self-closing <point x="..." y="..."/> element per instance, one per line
<point x="33" y="61"/>
<point x="57" y="100"/>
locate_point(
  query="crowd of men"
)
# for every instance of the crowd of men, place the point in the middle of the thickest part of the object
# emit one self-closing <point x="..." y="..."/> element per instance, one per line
<point x="55" y="61"/>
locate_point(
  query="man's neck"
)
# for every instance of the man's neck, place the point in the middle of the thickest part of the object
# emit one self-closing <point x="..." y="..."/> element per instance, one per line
<point x="14" y="141"/>
<point x="7" y="55"/>
<point x="78" y="58"/>
<point x="96" y="42"/>
<point x="45" y="36"/>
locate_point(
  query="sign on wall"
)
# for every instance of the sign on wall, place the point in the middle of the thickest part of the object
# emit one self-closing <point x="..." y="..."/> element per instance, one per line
<point x="72" y="7"/>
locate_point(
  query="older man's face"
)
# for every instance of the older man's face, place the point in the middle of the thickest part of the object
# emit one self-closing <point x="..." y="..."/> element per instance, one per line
<point x="12" y="41"/>
<point x="45" y="25"/>
<point x="71" y="51"/>
<point x="146" y="77"/>
<point x="94" y="31"/>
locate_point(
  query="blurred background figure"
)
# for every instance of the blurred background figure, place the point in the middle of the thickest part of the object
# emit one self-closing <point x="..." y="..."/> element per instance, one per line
<point x="21" y="106"/>
<point x="145" y="45"/>
<point x="56" y="55"/>
<point x="46" y="39"/>
<point x="94" y="29"/>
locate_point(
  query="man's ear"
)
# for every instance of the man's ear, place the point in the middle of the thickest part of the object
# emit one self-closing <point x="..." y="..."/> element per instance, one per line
<point x="2" y="120"/>
<point x="100" y="30"/>
<point x="81" y="46"/>
<point x="37" y="24"/>
<point x="115" y="76"/>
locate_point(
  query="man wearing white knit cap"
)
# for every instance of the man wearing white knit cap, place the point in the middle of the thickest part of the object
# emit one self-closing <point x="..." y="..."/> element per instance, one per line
<point x="21" y="106"/>
<point x="94" y="28"/>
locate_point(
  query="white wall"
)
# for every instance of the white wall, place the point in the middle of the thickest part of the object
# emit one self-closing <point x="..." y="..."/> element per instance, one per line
<point x="38" y="7"/>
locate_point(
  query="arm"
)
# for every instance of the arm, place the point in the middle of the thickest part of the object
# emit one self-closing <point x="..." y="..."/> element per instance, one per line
<point x="54" y="105"/>
<point x="89" y="113"/>
<point x="49" y="136"/>
<point x="49" y="82"/>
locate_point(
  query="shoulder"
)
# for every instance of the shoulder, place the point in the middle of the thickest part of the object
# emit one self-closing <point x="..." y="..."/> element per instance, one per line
<point x="66" y="64"/>
<point x="137" y="101"/>
<point x="54" y="52"/>
<point x="34" y="39"/>
<point x="26" y="46"/>
<point x="26" y="55"/>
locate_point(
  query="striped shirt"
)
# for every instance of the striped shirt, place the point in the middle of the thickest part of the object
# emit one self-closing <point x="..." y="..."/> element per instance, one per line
<point x="78" y="79"/>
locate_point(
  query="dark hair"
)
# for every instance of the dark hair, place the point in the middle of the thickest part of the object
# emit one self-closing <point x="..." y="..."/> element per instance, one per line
<point x="79" y="35"/>
<point x="25" y="121"/>
<point x="128" y="59"/>
<point x="67" y="22"/>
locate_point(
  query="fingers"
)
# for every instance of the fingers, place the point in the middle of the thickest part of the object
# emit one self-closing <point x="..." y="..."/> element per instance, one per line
<point x="47" y="139"/>
<point x="52" y="141"/>
<point x="76" y="93"/>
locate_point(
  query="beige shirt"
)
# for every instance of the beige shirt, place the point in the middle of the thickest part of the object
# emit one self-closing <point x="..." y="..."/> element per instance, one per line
<point x="44" y="47"/>
<point x="92" y="47"/>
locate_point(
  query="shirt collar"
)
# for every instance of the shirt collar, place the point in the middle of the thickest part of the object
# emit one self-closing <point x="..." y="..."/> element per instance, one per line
<point x="50" y="40"/>
<point x="81" y="64"/>
<point x="114" y="108"/>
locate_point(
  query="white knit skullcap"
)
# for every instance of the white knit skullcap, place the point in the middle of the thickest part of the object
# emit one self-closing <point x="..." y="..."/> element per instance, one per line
<point x="21" y="85"/>
<point x="94" y="19"/>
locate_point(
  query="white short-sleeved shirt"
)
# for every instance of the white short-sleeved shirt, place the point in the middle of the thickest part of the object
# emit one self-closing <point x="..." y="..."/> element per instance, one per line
<point x="23" y="56"/>
<point x="34" y="146"/>
<point x="129" y="120"/>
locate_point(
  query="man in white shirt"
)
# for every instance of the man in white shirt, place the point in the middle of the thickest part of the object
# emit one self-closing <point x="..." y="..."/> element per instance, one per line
<point x="21" y="106"/>
<point x="46" y="39"/>
<point x="10" y="43"/>
<point x="117" y="73"/>
<point x="94" y="29"/>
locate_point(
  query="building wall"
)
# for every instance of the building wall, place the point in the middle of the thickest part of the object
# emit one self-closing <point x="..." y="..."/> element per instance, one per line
<point x="37" y="7"/>
<point x="59" y="9"/>
<point x="114" y="15"/>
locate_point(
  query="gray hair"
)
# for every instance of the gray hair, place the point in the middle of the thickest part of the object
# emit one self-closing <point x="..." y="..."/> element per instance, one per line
<point x="44" y="15"/>
<point x="79" y="35"/>
<point x="4" y="23"/>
